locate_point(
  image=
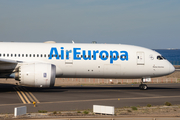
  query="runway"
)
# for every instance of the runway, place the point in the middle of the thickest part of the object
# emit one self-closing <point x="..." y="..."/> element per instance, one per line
<point x="84" y="97"/>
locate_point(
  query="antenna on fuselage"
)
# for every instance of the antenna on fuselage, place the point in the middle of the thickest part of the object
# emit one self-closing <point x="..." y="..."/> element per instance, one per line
<point x="72" y="42"/>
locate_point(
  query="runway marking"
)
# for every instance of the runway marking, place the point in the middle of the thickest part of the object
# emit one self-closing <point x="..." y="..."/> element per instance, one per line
<point x="109" y="99"/>
<point x="25" y="94"/>
<point x="35" y="99"/>
<point x="20" y="95"/>
<point x="97" y="100"/>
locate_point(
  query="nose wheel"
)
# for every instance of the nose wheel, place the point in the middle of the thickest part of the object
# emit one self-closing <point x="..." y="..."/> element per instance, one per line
<point x="143" y="87"/>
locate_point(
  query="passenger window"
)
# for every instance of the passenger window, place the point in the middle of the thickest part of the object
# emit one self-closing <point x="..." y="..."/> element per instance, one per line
<point x="103" y="56"/>
<point x="11" y="55"/>
<point x="44" y="55"/>
<point x="125" y="57"/>
<point x="0" y="55"/>
<point x="99" y="56"/>
<point x="4" y="55"/>
<point x="33" y="55"/>
<point x="41" y="55"/>
<point x="26" y="55"/>
<point x="37" y="55"/>
<point x="7" y="55"/>
<point x="88" y="56"/>
<point x="107" y="56"/>
<point x="48" y="55"/>
<point x="29" y="55"/>
<point x="14" y="55"/>
<point x="59" y="55"/>
<point x="22" y="55"/>
<point x="19" y="55"/>
<point x="92" y="56"/>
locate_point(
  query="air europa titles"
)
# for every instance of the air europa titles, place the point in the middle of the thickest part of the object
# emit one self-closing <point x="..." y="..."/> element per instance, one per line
<point x="79" y="54"/>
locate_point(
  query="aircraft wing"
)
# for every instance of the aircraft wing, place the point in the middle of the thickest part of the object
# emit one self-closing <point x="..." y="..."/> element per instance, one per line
<point x="6" y="61"/>
<point x="7" y="66"/>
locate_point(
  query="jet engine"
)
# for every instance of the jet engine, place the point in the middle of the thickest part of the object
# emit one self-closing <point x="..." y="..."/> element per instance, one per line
<point x="36" y="75"/>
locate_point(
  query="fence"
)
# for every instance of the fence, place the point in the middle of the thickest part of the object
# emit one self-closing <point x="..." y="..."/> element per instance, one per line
<point x="112" y="81"/>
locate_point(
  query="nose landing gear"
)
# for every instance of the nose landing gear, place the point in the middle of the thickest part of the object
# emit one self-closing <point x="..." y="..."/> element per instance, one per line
<point x="143" y="86"/>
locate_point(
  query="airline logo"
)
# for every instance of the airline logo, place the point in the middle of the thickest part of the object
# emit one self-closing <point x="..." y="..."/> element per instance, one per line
<point x="88" y="54"/>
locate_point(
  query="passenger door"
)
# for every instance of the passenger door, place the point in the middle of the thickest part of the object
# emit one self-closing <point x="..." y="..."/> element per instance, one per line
<point x="69" y="57"/>
<point x="140" y="58"/>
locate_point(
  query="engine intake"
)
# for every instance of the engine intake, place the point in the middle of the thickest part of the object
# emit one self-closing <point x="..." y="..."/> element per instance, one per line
<point x="36" y="75"/>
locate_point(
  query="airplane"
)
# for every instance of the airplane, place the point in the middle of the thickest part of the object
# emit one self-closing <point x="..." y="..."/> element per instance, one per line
<point x="38" y="64"/>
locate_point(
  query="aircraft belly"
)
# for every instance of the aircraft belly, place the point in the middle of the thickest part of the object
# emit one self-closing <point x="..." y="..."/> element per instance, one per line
<point x="112" y="70"/>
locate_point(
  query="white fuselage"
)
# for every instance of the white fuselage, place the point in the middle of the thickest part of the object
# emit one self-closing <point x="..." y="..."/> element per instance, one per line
<point x="101" y="60"/>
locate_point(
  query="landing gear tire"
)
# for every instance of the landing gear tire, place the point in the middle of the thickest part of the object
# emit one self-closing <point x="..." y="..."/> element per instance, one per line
<point x="143" y="87"/>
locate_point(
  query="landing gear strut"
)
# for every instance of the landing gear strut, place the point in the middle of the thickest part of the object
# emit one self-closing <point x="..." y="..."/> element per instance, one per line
<point x="143" y="86"/>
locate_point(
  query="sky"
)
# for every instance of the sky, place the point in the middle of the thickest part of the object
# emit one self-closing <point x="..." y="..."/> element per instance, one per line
<point x="153" y="24"/>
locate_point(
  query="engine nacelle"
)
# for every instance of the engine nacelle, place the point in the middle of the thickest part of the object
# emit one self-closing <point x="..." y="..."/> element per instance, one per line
<point x="36" y="75"/>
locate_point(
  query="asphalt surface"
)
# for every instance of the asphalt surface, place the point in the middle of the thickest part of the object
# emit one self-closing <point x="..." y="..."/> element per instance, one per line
<point x="84" y="97"/>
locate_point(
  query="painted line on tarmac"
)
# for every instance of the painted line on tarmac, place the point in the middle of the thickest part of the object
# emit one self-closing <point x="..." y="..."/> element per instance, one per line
<point x="109" y="99"/>
<point x="26" y="96"/>
<point x="35" y="99"/>
<point x="98" y="100"/>
<point x="20" y="95"/>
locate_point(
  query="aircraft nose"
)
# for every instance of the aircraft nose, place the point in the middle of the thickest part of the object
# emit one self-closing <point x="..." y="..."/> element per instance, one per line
<point x="171" y="68"/>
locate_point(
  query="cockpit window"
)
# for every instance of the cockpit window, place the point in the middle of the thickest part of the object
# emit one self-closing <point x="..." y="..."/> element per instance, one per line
<point x="163" y="57"/>
<point x="160" y="58"/>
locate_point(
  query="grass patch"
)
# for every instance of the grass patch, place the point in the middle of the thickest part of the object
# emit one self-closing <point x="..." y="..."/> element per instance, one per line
<point x="135" y="83"/>
<point x="149" y="105"/>
<point x="86" y="112"/>
<point x="167" y="103"/>
<point x="134" y="108"/>
<point x="42" y="111"/>
<point x="54" y="112"/>
<point x="78" y="111"/>
<point x="119" y="82"/>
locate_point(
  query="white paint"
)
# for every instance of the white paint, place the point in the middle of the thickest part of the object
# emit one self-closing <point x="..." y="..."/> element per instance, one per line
<point x="146" y="79"/>
<point x="20" y="110"/>
<point x="103" y="109"/>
